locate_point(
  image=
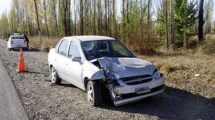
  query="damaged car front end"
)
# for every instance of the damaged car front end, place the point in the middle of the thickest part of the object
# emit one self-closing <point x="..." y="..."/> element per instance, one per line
<point x="129" y="79"/>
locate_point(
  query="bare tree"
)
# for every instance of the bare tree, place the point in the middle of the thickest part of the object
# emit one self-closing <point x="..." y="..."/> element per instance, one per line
<point x="54" y="14"/>
<point x="99" y="17"/>
<point x="172" y="24"/>
<point x="38" y="22"/>
<point x="167" y="24"/>
<point x="46" y="19"/>
<point x="201" y="20"/>
<point x="114" y="19"/>
<point x="82" y="17"/>
<point x="106" y="16"/>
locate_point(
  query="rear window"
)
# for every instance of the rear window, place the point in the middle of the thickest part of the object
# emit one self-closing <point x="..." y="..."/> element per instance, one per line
<point x="17" y="38"/>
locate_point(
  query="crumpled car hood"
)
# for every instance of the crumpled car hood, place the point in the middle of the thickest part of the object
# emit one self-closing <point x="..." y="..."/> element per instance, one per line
<point x="126" y="67"/>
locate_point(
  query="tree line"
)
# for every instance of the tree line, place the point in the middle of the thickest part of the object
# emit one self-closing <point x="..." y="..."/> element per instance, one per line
<point x="142" y="24"/>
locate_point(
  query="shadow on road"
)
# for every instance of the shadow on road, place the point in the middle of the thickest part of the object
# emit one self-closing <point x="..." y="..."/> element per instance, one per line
<point x="67" y="85"/>
<point x="172" y="104"/>
<point x="29" y="50"/>
<point x="32" y="50"/>
<point x="32" y="72"/>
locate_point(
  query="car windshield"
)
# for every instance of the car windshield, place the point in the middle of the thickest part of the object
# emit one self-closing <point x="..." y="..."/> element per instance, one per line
<point x="104" y="48"/>
<point x="17" y="38"/>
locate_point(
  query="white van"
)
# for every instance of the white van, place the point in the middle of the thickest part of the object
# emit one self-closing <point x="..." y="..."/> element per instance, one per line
<point x="16" y="42"/>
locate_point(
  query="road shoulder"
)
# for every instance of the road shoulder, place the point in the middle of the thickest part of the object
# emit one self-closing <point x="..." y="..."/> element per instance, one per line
<point x="11" y="105"/>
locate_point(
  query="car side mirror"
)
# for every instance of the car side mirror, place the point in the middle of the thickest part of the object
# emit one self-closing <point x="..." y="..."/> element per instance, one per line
<point x="7" y="39"/>
<point x="76" y="59"/>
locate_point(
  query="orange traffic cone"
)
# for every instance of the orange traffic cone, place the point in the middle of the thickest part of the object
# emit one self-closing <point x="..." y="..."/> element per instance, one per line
<point x="21" y="64"/>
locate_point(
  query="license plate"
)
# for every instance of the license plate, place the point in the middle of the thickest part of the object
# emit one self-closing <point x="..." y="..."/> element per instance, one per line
<point x="142" y="90"/>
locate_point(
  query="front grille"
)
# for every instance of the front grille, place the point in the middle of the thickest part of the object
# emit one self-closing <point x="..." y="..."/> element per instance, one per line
<point x="135" y="80"/>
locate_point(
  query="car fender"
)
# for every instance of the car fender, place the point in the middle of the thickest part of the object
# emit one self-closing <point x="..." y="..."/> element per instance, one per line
<point x="91" y="72"/>
<point x="98" y="75"/>
<point x="51" y="56"/>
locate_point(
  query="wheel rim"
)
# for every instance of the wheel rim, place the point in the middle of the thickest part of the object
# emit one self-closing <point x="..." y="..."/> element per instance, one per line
<point x="90" y="94"/>
<point x="53" y="75"/>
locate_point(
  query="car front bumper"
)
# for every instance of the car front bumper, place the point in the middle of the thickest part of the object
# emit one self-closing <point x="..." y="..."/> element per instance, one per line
<point x="137" y="97"/>
<point x="130" y="93"/>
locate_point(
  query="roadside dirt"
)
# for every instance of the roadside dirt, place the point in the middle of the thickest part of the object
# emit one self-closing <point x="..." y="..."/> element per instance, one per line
<point x="65" y="102"/>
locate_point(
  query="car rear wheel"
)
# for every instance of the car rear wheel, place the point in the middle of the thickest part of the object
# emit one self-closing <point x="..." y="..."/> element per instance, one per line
<point x="54" y="77"/>
<point x="94" y="96"/>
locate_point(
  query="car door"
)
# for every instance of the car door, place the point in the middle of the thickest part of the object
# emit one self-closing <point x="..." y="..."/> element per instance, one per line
<point x="74" y="68"/>
<point x="61" y="57"/>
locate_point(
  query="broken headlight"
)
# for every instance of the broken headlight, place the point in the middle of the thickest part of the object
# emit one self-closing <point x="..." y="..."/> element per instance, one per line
<point x="156" y="75"/>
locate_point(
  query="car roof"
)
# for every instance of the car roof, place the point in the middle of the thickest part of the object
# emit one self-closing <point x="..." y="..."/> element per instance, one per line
<point x="90" y="38"/>
<point x="16" y="36"/>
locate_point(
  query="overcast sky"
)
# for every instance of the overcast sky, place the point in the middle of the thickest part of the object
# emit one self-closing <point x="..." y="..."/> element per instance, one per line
<point x="4" y="5"/>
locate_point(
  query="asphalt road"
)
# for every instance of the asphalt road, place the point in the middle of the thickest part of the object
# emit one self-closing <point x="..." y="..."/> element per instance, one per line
<point x="11" y="107"/>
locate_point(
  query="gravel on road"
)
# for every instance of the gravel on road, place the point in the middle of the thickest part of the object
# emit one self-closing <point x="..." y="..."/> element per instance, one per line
<point x="64" y="102"/>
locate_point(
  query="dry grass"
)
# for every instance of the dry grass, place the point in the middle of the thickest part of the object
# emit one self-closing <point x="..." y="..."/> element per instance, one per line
<point x="145" y="44"/>
<point x="181" y="70"/>
<point x="47" y="42"/>
<point x="209" y="46"/>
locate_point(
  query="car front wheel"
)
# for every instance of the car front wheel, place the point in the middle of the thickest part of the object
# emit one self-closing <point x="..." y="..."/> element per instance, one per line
<point x="54" y="77"/>
<point x="94" y="96"/>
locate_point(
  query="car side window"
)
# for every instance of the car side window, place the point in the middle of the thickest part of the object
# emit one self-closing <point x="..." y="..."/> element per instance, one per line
<point x="63" y="48"/>
<point x="74" y="50"/>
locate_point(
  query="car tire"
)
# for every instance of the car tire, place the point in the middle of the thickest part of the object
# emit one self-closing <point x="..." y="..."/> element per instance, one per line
<point x="9" y="49"/>
<point x="54" y="76"/>
<point x="94" y="96"/>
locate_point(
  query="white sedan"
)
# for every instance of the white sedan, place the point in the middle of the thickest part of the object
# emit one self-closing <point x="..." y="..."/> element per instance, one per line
<point x="101" y="65"/>
<point x="16" y="41"/>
